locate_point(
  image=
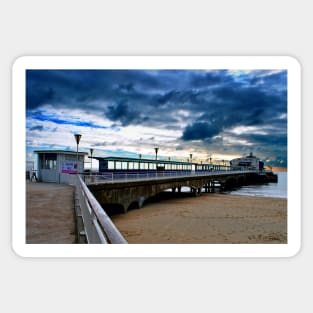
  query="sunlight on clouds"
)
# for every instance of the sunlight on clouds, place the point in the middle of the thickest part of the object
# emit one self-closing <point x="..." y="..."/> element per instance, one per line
<point x="226" y="157"/>
<point x="236" y="141"/>
<point x="239" y="130"/>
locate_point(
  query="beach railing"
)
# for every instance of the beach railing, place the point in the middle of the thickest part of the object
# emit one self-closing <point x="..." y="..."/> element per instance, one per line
<point x="98" y="227"/>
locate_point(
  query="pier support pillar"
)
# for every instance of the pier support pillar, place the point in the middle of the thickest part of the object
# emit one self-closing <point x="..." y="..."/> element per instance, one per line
<point x="195" y="191"/>
<point x="141" y="200"/>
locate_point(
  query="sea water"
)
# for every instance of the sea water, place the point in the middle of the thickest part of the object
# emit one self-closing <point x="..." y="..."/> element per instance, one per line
<point x="275" y="190"/>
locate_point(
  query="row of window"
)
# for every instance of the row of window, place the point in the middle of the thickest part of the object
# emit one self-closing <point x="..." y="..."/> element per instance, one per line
<point x="145" y="166"/>
<point x="119" y="165"/>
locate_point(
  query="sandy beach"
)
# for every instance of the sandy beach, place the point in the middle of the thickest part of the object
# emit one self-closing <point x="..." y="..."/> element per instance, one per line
<point x="210" y="218"/>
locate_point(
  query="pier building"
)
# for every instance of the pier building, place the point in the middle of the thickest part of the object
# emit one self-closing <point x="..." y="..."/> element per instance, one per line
<point x="248" y="162"/>
<point x="54" y="165"/>
<point x="114" y="164"/>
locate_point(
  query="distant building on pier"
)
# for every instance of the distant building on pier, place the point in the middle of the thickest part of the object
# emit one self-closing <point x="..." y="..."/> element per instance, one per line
<point x="248" y="162"/>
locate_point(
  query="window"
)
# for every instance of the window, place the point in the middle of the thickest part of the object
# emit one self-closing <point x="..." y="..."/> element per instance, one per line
<point x="48" y="161"/>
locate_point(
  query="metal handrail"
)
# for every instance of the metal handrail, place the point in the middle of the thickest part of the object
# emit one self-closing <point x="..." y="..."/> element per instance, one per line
<point x="96" y="221"/>
<point x="136" y="176"/>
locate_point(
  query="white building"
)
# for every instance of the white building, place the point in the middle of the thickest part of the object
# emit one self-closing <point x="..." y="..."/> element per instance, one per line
<point x="249" y="162"/>
<point x="57" y="165"/>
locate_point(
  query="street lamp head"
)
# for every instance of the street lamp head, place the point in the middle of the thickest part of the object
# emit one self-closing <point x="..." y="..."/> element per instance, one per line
<point x="91" y="152"/>
<point x="156" y="149"/>
<point x="77" y="138"/>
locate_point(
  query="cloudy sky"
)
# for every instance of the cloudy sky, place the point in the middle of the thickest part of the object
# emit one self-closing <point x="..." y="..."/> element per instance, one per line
<point x="220" y="114"/>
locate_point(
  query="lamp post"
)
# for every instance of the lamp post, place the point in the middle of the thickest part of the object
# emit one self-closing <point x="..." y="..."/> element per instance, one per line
<point x="156" y="149"/>
<point x="77" y="138"/>
<point x="156" y="152"/>
<point x="91" y="152"/>
<point x="139" y="162"/>
<point x="210" y="167"/>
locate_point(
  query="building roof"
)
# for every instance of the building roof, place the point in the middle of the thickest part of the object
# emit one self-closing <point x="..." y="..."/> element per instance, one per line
<point x="60" y="152"/>
<point x="122" y="159"/>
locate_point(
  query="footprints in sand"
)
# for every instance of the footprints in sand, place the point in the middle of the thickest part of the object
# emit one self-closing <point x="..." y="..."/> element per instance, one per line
<point x="274" y="237"/>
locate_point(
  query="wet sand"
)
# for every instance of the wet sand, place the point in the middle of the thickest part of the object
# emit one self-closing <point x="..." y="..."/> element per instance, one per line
<point x="210" y="218"/>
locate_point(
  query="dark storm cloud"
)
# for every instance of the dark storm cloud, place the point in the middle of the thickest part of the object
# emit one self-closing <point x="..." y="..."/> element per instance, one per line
<point x="271" y="140"/>
<point x="209" y="79"/>
<point x="81" y="88"/>
<point x="123" y="112"/>
<point x="200" y="130"/>
<point x="213" y="101"/>
<point x="231" y="106"/>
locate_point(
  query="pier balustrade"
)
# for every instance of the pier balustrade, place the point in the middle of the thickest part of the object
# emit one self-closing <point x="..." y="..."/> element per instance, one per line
<point x="148" y="175"/>
<point x="98" y="227"/>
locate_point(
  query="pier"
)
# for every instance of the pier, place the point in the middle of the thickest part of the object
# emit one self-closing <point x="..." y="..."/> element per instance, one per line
<point x="121" y="184"/>
<point x="131" y="190"/>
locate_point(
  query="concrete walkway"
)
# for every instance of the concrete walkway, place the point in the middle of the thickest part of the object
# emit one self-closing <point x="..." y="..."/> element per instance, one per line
<point x="50" y="215"/>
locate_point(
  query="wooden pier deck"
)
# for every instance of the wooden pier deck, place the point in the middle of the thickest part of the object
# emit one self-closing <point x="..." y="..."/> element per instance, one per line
<point x="50" y="215"/>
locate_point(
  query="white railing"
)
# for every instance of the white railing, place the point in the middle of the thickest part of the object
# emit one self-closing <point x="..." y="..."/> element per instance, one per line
<point x="98" y="226"/>
<point x="136" y="176"/>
